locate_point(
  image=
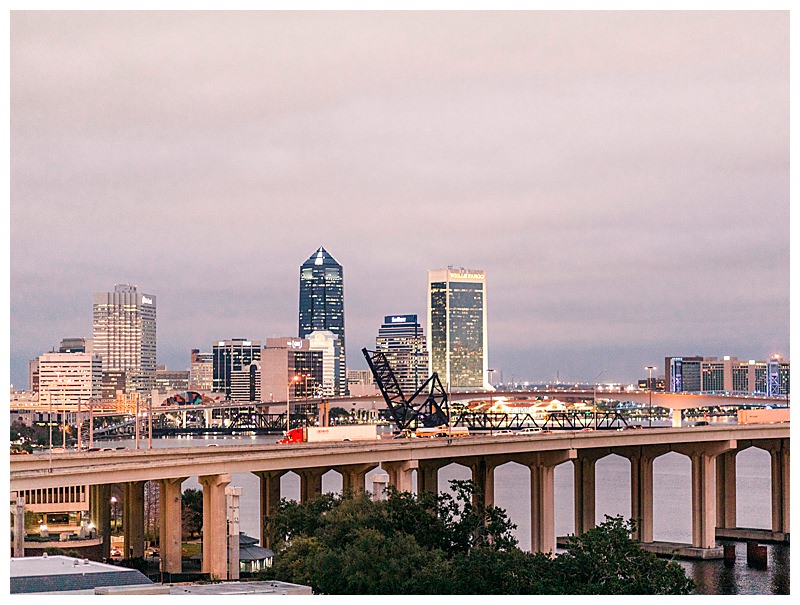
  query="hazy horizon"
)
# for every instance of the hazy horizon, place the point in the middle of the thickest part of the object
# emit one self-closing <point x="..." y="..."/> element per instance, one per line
<point x="622" y="177"/>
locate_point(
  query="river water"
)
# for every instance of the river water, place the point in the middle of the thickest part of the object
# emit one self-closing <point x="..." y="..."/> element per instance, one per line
<point x="672" y="506"/>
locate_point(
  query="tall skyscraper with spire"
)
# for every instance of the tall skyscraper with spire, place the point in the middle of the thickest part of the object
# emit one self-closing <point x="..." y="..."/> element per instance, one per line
<point x="322" y="306"/>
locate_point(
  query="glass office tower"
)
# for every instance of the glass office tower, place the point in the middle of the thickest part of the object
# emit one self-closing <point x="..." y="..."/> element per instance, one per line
<point x="322" y="305"/>
<point x="402" y="340"/>
<point x="457" y="334"/>
<point x="232" y="361"/>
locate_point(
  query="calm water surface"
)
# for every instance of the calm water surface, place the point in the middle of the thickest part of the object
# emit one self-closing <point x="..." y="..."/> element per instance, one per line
<point x="672" y="506"/>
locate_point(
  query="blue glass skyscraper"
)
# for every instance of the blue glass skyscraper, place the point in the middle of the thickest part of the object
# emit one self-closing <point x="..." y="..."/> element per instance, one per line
<point x="322" y="305"/>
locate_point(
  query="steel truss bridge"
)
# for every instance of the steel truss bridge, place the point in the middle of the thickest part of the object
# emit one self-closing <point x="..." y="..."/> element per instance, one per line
<point x="226" y="418"/>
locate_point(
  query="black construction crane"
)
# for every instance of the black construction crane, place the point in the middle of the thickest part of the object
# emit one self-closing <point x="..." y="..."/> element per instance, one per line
<point x="433" y="411"/>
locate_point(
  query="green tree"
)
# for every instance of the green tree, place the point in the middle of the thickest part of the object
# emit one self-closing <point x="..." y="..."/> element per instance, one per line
<point x="191" y="512"/>
<point x="606" y="560"/>
<point x="447" y="544"/>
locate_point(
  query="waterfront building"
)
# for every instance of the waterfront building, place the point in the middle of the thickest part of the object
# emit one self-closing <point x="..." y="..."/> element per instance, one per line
<point x="457" y="330"/>
<point x="232" y="360"/>
<point x="124" y="335"/>
<point x="699" y="374"/>
<point x="322" y="305"/>
<point x="284" y="358"/>
<point x="402" y="339"/>
<point x="682" y="374"/>
<point x="327" y="343"/>
<point x="65" y="379"/>
<point x="778" y="372"/>
<point x="201" y="372"/>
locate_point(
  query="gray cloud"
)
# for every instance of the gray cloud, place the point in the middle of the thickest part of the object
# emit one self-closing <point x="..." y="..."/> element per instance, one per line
<point x="622" y="177"/>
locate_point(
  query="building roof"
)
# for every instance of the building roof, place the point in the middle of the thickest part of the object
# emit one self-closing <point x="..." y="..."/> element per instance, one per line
<point x="321" y="258"/>
<point x="58" y="573"/>
<point x="249" y="550"/>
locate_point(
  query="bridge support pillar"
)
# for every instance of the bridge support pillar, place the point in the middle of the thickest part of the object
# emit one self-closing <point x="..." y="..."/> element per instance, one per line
<point x="354" y="477"/>
<point x="310" y="484"/>
<point x="542" y="466"/>
<point x="642" y="458"/>
<point x="133" y="519"/>
<point x="483" y="479"/>
<point x="100" y="515"/>
<point x="779" y="453"/>
<point x="584" y="488"/>
<point x="726" y="490"/>
<point x="704" y="509"/>
<point x="269" y="501"/>
<point x="400" y="474"/>
<point x="169" y="526"/>
<point x="215" y="525"/>
<point x="780" y="487"/>
<point x="428" y="476"/>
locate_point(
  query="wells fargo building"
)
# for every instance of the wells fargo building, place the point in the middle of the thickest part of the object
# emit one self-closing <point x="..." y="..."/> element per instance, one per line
<point x="457" y="335"/>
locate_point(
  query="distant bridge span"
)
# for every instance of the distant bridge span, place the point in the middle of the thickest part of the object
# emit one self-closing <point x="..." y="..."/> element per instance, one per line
<point x="672" y="401"/>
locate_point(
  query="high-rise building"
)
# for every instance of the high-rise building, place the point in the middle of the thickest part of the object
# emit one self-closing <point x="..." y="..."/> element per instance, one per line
<point x="322" y="305"/>
<point x="327" y="343"/>
<point x="683" y="374"/>
<point x="457" y="331"/>
<point x="201" y="372"/>
<point x="113" y="381"/>
<point x="33" y="375"/>
<point x="65" y="379"/>
<point x="778" y="373"/>
<point x="402" y="340"/>
<point x="171" y="380"/>
<point x="232" y="361"/>
<point x="75" y="345"/>
<point x="124" y="335"/>
<point x="282" y="360"/>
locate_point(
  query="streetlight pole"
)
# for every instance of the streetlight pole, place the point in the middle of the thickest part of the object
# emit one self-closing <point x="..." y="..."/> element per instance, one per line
<point x="295" y="378"/>
<point x="650" y="394"/>
<point x="594" y="397"/>
<point x="491" y="392"/>
<point x="114" y="507"/>
<point x="50" y="429"/>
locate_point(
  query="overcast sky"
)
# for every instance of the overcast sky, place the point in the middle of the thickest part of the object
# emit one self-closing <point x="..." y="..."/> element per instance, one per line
<point x="622" y="178"/>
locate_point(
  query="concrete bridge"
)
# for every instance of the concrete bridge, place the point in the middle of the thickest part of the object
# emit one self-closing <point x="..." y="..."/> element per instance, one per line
<point x="712" y="450"/>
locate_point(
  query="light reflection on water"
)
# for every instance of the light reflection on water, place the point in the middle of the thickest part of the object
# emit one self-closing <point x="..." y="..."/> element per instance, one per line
<point x="672" y="506"/>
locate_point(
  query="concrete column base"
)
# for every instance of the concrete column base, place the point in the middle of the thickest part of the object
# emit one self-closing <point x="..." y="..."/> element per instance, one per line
<point x="269" y="503"/>
<point x="704" y="503"/>
<point x="542" y="466"/>
<point x="215" y="525"/>
<point x="170" y="526"/>
<point x="133" y="519"/>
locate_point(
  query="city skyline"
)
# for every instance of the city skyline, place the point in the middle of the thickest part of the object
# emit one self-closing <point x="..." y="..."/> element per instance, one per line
<point x="621" y="177"/>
